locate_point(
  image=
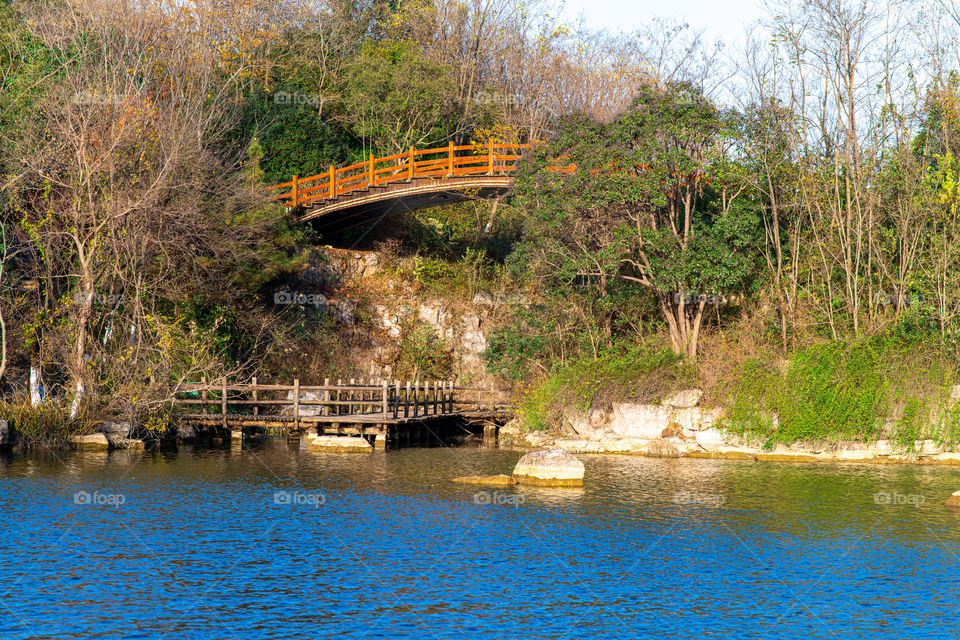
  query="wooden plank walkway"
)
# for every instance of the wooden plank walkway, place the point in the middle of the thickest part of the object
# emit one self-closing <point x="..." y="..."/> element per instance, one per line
<point x="341" y="406"/>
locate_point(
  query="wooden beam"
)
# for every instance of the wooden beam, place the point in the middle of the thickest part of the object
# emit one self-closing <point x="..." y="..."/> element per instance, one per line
<point x="296" y="403"/>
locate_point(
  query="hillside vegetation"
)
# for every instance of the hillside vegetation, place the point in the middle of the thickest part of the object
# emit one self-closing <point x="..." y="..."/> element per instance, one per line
<point x="778" y="227"/>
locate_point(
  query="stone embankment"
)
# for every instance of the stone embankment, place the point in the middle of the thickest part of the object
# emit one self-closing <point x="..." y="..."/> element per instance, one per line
<point x="679" y="427"/>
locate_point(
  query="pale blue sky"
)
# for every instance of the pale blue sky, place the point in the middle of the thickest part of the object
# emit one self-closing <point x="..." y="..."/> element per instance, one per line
<point x="723" y="19"/>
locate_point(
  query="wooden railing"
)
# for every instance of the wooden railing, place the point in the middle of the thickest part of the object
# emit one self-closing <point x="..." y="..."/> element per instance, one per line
<point x="440" y="162"/>
<point x="385" y="400"/>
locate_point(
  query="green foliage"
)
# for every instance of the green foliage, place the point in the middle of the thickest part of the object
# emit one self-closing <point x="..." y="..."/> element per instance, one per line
<point x="421" y="355"/>
<point x="293" y="138"/>
<point x="45" y="426"/>
<point x="643" y="373"/>
<point x="395" y="97"/>
<point x="833" y="392"/>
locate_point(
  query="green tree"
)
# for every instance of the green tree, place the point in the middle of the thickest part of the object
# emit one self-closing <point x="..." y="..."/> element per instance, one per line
<point x="651" y="198"/>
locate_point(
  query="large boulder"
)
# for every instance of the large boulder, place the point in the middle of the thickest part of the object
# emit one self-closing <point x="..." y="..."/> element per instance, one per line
<point x="551" y="468"/>
<point x="91" y="442"/>
<point x="646" y="421"/>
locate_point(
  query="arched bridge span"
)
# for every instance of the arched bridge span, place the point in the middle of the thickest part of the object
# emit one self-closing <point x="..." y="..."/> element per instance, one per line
<point x="344" y="197"/>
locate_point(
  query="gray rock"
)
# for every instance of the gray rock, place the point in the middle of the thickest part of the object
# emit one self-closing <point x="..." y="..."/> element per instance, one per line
<point x="551" y="468"/>
<point x="131" y="444"/>
<point x="115" y="430"/>
<point x="91" y="442"/>
<point x="6" y="434"/>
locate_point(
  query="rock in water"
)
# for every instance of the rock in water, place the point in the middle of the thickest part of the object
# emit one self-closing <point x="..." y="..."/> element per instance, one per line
<point x="954" y="500"/>
<point x="336" y="444"/>
<point x="491" y="481"/>
<point x="92" y="442"/>
<point x="552" y="468"/>
<point x="6" y="436"/>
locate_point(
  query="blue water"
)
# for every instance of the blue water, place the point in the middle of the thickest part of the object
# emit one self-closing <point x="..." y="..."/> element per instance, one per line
<point x="277" y="543"/>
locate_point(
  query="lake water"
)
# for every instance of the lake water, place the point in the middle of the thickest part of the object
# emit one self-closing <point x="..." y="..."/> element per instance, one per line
<point x="272" y="542"/>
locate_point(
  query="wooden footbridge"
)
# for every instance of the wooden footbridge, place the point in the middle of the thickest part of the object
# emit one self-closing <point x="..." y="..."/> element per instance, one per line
<point x="383" y="411"/>
<point x="419" y="178"/>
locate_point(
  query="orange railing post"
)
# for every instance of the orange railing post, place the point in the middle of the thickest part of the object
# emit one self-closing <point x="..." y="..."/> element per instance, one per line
<point x="294" y="190"/>
<point x="411" y="162"/>
<point x="333" y="182"/>
<point x="490" y="153"/>
<point x="450" y="159"/>
<point x="372" y="175"/>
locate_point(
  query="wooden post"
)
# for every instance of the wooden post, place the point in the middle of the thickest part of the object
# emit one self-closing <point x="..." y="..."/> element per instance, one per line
<point x="203" y="395"/>
<point x="490" y="156"/>
<point x="353" y="381"/>
<point x="256" y="409"/>
<point x="296" y="403"/>
<point x="436" y="396"/>
<point x="223" y="403"/>
<point x="406" y="402"/>
<point x="386" y="390"/>
<point x="339" y="409"/>
<point x="296" y="191"/>
<point x="450" y="150"/>
<point x="396" y="394"/>
<point x="326" y="397"/>
<point x="333" y="182"/>
<point x="411" y="162"/>
<point x="373" y="174"/>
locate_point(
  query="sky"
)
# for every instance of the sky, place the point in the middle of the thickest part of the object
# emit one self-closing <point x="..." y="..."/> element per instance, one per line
<point x="724" y="19"/>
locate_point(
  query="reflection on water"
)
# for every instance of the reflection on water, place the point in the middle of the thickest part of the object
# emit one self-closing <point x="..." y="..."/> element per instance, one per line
<point x="272" y="542"/>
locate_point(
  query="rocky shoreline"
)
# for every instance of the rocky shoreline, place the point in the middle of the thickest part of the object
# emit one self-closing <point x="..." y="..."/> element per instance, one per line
<point x="679" y="428"/>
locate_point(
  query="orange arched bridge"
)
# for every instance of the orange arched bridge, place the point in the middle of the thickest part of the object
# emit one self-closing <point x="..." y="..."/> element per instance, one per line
<point x="417" y="179"/>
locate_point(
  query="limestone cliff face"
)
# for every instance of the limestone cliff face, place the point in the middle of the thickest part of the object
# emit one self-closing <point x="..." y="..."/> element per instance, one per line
<point x="366" y="297"/>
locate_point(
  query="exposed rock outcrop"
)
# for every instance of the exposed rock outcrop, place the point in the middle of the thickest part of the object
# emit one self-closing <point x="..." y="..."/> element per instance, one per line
<point x="552" y="468"/>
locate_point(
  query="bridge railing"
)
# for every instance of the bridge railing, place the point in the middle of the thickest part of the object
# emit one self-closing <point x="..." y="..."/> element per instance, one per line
<point x="387" y="399"/>
<point x="440" y="162"/>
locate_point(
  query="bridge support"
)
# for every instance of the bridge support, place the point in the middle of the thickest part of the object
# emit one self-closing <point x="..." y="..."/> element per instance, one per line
<point x="380" y="439"/>
<point x="490" y="436"/>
